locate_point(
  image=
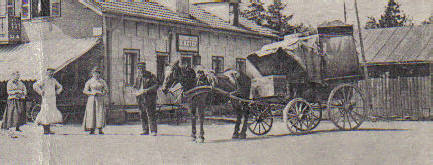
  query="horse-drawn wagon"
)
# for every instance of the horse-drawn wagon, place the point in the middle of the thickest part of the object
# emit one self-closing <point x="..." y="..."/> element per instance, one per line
<point x="301" y="77"/>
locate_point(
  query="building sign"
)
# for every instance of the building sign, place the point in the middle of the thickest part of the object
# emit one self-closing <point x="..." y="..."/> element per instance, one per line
<point x="187" y="43"/>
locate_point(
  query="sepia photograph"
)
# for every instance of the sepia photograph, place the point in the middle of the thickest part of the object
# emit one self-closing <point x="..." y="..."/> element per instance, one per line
<point x="216" y="82"/>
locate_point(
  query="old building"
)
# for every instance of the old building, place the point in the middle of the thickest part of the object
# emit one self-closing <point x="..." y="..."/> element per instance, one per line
<point x="37" y="34"/>
<point x="399" y="61"/>
<point x="162" y="31"/>
<point x="74" y="35"/>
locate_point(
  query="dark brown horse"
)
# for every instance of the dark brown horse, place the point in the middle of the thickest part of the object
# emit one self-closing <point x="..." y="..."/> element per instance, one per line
<point x="232" y="81"/>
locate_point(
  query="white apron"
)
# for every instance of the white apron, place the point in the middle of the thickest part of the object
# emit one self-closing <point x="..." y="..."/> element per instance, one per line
<point x="49" y="113"/>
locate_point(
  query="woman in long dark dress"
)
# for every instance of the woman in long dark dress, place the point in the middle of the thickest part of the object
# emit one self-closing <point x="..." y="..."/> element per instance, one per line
<point x="15" y="114"/>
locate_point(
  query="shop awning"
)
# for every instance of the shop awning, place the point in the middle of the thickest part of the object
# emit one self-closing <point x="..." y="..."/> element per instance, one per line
<point x="31" y="59"/>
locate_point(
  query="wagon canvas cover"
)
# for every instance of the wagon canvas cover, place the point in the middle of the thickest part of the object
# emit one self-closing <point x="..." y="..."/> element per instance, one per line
<point x="303" y="59"/>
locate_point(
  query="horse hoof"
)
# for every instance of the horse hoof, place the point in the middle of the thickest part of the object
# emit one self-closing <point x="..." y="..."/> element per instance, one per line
<point x="235" y="136"/>
<point x="200" y="140"/>
<point x="243" y="137"/>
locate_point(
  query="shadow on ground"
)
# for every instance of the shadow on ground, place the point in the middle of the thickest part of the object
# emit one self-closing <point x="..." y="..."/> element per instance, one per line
<point x="305" y="134"/>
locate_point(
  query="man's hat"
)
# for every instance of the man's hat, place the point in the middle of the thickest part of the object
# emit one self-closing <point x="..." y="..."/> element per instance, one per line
<point x="141" y="65"/>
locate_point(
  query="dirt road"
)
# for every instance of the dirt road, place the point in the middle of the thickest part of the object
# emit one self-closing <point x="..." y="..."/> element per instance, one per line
<point x="376" y="143"/>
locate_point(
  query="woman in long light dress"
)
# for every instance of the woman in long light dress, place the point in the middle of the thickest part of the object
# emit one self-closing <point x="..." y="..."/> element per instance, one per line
<point x="15" y="113"/>
<point x="94" y="117"/>
<point x="48" y="88"/>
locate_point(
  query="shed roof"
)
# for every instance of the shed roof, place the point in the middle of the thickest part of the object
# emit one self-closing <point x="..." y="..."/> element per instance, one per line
<point x="399" y="45"/>
<point x="30" y="59"/>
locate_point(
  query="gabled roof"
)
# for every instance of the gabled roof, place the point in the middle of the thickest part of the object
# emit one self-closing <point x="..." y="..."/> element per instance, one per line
<point x="156" y="11"/>
<point x="150" y="10"/>
<point x="210" y="19"/>
<point x="399" y="45"/>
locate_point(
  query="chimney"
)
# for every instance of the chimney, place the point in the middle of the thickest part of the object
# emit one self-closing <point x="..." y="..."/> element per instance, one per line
<point x="234" y="12"/>
<point x="182" y="8"/>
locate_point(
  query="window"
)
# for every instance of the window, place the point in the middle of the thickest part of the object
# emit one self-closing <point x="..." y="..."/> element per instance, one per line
<point x="218" y="64"/>
<point x="162" y="61"/>
<point x="131" y="60"/>
<point x="191" y="60"/>
<point x="241" y="65"/>
<point x="186" y="60"/>
<point x="196" y="60"/>
<point x="40" y="8"/>
<point x="11" y="7"/>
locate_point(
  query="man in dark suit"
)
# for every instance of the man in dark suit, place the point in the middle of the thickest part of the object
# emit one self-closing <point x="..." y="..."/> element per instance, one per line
<point x="146" y="86"/>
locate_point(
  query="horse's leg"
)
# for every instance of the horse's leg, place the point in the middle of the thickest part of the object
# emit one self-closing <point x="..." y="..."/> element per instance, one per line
<point x="201" y="120"/>
<point x="244" y="112"/>
<point x="238" y="120"/>
<point x="193" y="111"/>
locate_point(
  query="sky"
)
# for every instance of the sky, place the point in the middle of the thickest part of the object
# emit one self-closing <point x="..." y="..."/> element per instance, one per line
<point x="314" y="12"/>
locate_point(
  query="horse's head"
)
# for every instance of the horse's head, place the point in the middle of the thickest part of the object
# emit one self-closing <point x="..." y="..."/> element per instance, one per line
<point x="233" y="75"/>
<point x="239" y="80"/>
<point x="172" y="76"/>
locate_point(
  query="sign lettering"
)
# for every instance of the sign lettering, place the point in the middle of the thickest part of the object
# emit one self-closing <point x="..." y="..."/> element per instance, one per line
<point x="187" y="43"/>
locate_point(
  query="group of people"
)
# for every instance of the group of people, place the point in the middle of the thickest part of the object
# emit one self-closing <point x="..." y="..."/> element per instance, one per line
<point x="95" y="88"/>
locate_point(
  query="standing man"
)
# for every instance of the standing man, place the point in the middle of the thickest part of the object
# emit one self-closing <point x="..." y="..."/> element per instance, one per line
<point x="48" y="88"/>
<point x="146" y="87"/>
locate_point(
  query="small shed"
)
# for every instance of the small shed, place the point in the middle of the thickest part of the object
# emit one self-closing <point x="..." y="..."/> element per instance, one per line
<point x="399" y="61"/>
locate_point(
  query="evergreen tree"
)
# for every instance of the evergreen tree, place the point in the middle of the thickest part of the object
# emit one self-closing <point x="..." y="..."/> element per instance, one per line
<point x="256" y="12"/>
<point x="277" y="20"/>
<point x="392" y="17"/>
<point x="272" y="17"/>
<point x="371" y="23"/>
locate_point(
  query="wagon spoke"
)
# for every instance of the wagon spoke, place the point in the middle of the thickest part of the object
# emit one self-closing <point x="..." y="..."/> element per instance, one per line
<point x="349" y="94"/>
<point x="348" y="121"/>
<point x="255" y="126"/>
<point x="355" y="120"/>
<point x="296" y="121"/>
<point x="263" y="126"/>
<point x="343" y="94"/>
<point x="356" y="113"/>
<point x="303" y="109"/>
<point x="266" y="123"/>
<point x="344" y="123"/>
<point x="296" y="108"/>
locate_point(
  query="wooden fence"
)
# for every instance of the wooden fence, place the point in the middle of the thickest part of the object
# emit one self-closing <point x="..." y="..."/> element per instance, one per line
<point x="401" y="97"/>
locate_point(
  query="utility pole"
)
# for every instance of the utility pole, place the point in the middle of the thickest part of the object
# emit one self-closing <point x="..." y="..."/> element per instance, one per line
<point x="364" y="60"/>
<point x="345" y="14"/>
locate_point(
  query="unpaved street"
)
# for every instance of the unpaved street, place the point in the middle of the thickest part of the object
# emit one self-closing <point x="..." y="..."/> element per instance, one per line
<point x="376" y="143"/>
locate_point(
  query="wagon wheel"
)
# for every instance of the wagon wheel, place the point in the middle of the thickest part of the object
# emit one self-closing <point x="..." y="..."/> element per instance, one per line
<point x="346" y="107"/>
<point x="300" y="116"/>
<point x="261" y="120"/>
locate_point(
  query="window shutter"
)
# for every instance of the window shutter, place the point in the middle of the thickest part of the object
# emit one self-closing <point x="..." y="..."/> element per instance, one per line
<point x="25" y="9"/>
<point x="3" y="22"/>
<point x="55" y="8"/>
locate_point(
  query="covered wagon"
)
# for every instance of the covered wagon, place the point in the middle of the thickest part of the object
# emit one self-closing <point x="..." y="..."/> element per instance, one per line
<point x="311" y="74"/>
